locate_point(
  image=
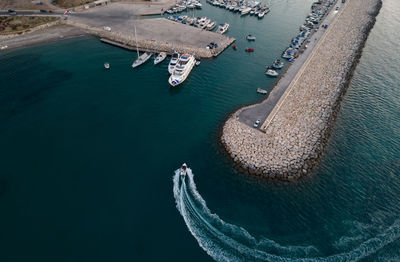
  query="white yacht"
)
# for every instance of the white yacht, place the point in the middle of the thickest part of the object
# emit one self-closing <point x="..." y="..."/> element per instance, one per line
<point x="161" y="56"/>
<point x="222" y="28"/>
<point x="142" y="59"/>
<point x="271" y="72"/>
<point x="251" y="37"/>
<point x="172" y="63"/>
<point x="211" y="26"/>
<point x="245" y="11"/>
<point x="261" y="14"/>
<point x="182" y="69"/>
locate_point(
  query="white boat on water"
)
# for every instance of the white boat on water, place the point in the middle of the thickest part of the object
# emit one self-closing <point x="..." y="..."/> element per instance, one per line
<point x="182" y="69"/>
<point x="161" y="56"/>
<point x="106" y="65"/>
<point x="142" y="59"/>
<point x="245" y="11"/>
<point x="183" y="169"/>
<point x="262" y="91"/>
<point x="271" y="72"/>
<point x="251" y="37"/>
<point x="211" y="26"/>
<point x="261" y="14"/>
<point x="222" y="28"/>
<point x="278" y="64"/>
<point x="172" y="62"/>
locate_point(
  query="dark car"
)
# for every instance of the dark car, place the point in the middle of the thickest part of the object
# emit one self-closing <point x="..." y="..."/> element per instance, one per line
<point x="43" y="11"/>
<point x="11" y="10"/>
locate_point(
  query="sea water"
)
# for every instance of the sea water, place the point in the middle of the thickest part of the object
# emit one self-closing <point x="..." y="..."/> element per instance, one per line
<point x="88" y="155"/>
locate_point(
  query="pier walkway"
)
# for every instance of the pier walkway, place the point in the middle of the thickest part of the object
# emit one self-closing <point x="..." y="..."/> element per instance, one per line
<point x="261" y="111"/>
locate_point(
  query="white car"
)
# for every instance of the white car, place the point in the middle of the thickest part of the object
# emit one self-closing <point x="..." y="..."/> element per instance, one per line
<point x="257" y="123"/>
<point x="107" y="28"/>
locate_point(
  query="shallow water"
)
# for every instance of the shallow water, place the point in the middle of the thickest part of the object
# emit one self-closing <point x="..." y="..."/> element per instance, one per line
<point x="88" y="155"/>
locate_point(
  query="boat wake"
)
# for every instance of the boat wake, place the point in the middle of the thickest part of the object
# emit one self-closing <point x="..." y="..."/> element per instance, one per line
<point x="228" y="242"/>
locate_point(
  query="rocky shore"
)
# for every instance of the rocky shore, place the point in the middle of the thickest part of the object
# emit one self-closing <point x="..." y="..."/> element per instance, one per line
<point x="292" y="138"/>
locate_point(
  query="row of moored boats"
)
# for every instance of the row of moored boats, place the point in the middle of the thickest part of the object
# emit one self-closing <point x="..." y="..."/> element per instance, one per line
<point x="201" y="22"/>
<point x="242" y="7"/>
<point x="179" y="66"/>
<point x="184" y="5"/>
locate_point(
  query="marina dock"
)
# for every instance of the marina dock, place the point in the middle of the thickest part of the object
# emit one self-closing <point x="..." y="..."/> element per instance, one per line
<point x="153" y="34"/>
<point x="297" y="116"/>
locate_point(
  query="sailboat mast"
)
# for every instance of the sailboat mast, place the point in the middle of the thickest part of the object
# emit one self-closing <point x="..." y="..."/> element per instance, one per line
<point x="137" y="48"/>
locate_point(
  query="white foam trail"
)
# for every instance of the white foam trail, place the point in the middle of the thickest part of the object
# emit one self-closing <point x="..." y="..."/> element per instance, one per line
<point x="227" y="242"/>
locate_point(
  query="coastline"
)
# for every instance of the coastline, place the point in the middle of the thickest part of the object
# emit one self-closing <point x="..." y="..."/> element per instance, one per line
<point x="295" y="133"/>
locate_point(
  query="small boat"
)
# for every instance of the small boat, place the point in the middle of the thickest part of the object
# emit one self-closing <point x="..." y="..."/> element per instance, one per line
<point x="251" y="37"/>
<point x="271" y="72"/>
<point x="222" y="28"/>
<point x="211" y="26"/>
<point x="172" y="62"/>
<point x="161" y="56"/>
<point x="182" y="69"/>
<point x="261" y="14"/>
<point x="4" y="47"/>
<point x="249" y="50"/>
<point x="198" y="61"/>
<point x="234" y="47"/>
<point x="278" y="64"/>
<point x="245" y="11"/>
<point x="106" y="65"/>
<point x="141" y="59"/>
<point x="262" y="91"/>
<point x="198" y="5"/>
<point x="183" y="169"/>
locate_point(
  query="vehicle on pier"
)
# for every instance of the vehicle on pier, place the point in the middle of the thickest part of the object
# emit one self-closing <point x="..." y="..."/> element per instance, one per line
<point x="257" y="123"/>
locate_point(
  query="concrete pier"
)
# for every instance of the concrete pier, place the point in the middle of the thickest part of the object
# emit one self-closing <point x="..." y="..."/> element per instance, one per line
<point x="292" y="137"/>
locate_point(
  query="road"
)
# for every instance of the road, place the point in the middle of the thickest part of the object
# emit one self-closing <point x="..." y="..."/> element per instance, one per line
<point x="31" y="13"/>
<point x="261" y="111"/>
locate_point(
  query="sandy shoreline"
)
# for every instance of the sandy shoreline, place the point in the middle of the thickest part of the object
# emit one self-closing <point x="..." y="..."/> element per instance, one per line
<point x="298" y="128"/>
<point x="53" y="33"/>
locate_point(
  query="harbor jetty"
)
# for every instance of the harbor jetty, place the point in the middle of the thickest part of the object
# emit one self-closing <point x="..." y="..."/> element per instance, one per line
<point x="292" y="135"/>
<point x="115" y="24"/>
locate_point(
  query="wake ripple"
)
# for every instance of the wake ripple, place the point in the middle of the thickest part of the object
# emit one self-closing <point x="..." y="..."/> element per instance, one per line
<point x="228" y="242"/>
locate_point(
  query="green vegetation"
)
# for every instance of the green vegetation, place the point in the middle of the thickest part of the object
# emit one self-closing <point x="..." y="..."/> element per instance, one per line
<point x="19" y="24"/>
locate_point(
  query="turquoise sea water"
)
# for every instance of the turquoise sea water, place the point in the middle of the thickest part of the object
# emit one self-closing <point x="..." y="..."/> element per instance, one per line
<point x="87" y="156"/>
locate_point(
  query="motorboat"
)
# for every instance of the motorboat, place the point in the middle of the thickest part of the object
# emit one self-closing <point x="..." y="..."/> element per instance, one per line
<point x="198" y="61"/>
<point x="251" y="37"/>
<point x="183" y="169"/>
<point x="182" y="69"/>
<point x="161" y="56"/>
<point x="142" y="59"/>
<point x="172" y="62"/>
<point x="261" y="14"/>
<point x="234" y="47"/>
<point x="222" y="28"/>
<point x="211" y="26"/>
<point x="248" y="50"/>
<point x="205" y="23"/>
<point x="245" y="11"/>
<point x="198" y="5"/>
<point x="262" y="91"/>
<point x="271" y="72"/>
<point x="106" y="65"/>
<point x="278" y="64"/>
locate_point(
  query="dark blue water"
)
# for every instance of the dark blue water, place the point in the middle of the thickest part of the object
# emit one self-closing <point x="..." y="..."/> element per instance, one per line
<point x="87" y="156"/>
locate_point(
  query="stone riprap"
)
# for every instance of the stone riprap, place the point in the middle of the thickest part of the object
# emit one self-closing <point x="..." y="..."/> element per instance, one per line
<point x="290" y="141"/>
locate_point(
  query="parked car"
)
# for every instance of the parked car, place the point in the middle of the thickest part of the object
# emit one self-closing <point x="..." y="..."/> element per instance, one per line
<point x="257" y="123"/>
<point x="107" y="28"/>
<point x="11" y="10"/>
<point x="43" y="11"/>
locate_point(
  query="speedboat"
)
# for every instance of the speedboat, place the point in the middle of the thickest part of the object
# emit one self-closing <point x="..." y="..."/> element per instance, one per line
<point x="278" y="64"/>
<point x="234" y="47"/>
<point x="106" y="65"/>
<point x="198" y="61"/>
<point x="248" y="50"/>
<point x="261" y="14"/>
<point x="172" y="62"/>
<point x="251" y="37"/>
<point x="271" y="72"/>
<point x="161" y="56"/>
<point x="142" y="59"/>
<point x="262" y="91"/>
<point x="183" y="169"/>
<point x="182" y="69"/>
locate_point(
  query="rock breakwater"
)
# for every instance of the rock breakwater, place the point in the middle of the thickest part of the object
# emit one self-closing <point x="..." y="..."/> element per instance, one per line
<point x="292" y="139"/>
